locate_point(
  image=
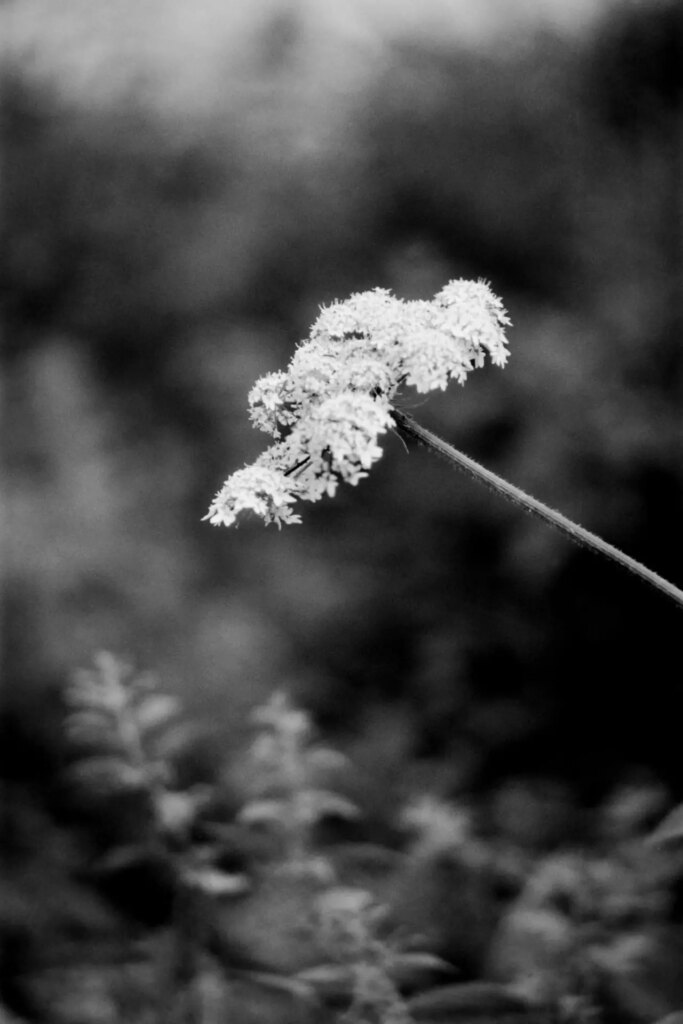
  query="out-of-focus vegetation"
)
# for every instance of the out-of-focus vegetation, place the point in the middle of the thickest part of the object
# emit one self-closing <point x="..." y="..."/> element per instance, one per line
<point x="159" y="255"/>
<point x="269" y="893"/>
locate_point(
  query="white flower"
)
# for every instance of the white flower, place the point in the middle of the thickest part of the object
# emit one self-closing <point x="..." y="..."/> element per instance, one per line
<point x="258" y="489"/>
<point x="327" y="410"/>
<point x="432" y="357"/>
<point x="364" y="314"/>
<point x="476" y="316"/>
<point x="336" y="441"/>
<point x="342" y="433"/>
<point x="267" y="402"/>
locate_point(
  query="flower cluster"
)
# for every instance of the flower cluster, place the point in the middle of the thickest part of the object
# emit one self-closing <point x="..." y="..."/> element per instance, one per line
<point x="328" y="409"/>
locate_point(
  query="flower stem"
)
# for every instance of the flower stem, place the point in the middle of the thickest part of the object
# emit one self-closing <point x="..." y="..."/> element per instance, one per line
<point x="409" y="428"/>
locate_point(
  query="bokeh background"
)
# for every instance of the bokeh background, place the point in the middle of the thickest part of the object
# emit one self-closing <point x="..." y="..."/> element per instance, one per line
<point x="184" y="185"/>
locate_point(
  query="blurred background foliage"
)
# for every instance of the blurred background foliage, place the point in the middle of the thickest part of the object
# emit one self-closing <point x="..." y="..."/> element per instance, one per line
<point x="182" y="191"/>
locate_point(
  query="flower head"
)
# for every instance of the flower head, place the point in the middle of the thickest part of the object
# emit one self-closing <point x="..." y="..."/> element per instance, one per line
<point x="258" y="488"/>
<point x="328" y="409"/>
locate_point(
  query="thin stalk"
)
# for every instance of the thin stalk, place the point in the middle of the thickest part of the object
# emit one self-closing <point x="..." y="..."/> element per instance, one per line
<point x="409" y="428"/>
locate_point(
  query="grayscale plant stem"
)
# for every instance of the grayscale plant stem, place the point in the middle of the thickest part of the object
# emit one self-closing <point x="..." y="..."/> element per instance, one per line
<point x="409" y="428"/>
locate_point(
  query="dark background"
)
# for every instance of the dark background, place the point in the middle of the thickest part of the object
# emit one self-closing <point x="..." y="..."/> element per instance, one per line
<point x="178" y="201"/>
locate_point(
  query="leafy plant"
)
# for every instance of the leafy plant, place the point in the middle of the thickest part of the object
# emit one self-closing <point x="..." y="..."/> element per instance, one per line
<point x="125" y="733"/>
<point x="122" y="726"/>
<point x="361" y="959"/>
<point x="285" y="773"/>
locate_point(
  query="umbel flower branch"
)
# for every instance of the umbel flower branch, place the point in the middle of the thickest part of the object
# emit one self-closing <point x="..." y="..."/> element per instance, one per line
<point x="327" y="411"/>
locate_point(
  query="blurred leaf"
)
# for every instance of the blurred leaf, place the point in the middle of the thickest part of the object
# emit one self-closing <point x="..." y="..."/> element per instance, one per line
<point x="89" y="718"/>
<point x="177" y="810"/>
<point x="259" y="812"/>
<point x="437" y="823"/>
<point x="669" y="831"/>
<point x="92" y="727"/>
<point x="320" y="803"/>
<point x="408" y="968"/>
<point x="641" y="972"/>
<point x="325" y="759"/>
<point x="292" y="986"/>
<point x="265" y="749"/>
<point x="344" y="901"/>
<point x="462" y="1002"/>
<point x="216" y="883"/>
<point x="122" y="857"/>
<point x="280" y="715"/>
<point x="632" y="808"/>
<point x="333" y="982"/>
<point x="316" y="869"/>
<point x="176" y="739"/>
<point x="107" y="773"/>
<point x="156" y="709"/>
